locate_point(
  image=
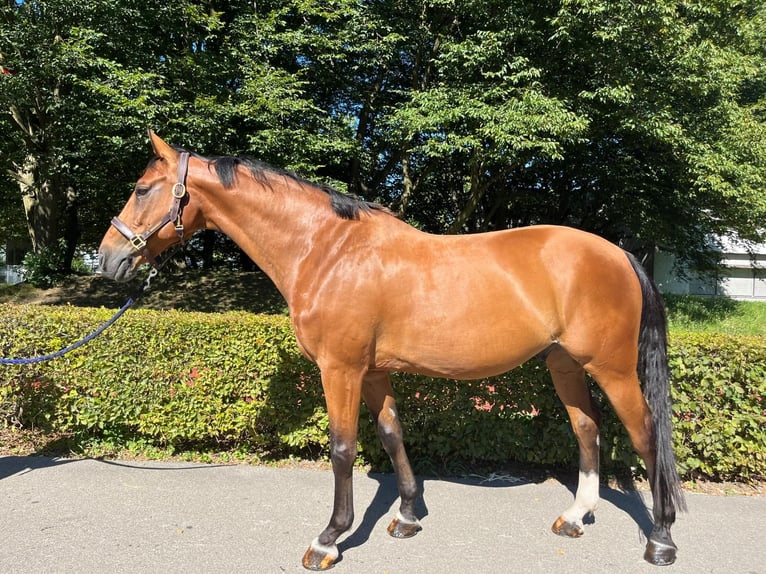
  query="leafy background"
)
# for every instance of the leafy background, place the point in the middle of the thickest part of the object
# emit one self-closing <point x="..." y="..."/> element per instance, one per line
<point x="642" y="122"/>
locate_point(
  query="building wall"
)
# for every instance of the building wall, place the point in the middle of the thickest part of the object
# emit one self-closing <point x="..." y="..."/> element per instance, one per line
<point x="11" y="274"/>
<point x="743" y="275"/>
<point x="11" y="257"/>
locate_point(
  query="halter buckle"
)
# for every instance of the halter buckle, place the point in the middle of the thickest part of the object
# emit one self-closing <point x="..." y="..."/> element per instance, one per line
<point x="138" y="242"/>
<point x="179" y="190"/>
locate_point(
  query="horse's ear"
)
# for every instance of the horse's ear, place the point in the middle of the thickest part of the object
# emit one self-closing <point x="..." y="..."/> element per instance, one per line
<point x="161" y="149"/>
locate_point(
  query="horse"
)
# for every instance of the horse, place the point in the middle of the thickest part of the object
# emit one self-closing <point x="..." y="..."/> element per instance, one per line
<point x="369" y="294"/>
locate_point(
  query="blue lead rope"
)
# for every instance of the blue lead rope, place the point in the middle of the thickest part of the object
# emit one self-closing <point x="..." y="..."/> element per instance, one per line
<point x="101" y="328"/>
<point x="73" y="346"/>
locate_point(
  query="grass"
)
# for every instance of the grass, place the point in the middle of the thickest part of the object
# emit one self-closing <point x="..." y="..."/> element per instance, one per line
<point x="716" y="315"/>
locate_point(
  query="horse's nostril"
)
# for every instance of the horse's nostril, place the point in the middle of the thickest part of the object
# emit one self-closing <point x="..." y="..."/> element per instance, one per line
<point x="101" y="259"/>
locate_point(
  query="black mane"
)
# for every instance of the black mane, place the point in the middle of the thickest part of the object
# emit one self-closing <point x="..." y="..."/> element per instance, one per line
<point x="344" y="205"/>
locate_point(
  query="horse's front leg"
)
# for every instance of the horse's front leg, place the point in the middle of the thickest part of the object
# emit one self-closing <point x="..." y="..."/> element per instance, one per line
<point x="342" y="388"/>
<point x="379" y="398"/>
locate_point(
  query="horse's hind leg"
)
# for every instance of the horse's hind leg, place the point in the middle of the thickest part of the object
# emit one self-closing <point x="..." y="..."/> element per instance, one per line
<point x="572" y="388"/>
<point x="379" y="397"/>
<point x="624" y="393"/>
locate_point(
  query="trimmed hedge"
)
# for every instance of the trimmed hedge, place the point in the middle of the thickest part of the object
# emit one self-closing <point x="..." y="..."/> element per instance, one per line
<point x="238" y="381"/>
<point x="173" y="378"/>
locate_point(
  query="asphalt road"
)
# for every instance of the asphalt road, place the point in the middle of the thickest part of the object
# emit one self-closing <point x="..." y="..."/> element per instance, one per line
<point x="90" y="516"/>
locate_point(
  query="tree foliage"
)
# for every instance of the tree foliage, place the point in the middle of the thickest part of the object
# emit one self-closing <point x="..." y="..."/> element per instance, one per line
<point x="643" y="122"/>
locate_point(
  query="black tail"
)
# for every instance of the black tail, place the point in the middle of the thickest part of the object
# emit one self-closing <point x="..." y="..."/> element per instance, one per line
<point x="654" y="373"/>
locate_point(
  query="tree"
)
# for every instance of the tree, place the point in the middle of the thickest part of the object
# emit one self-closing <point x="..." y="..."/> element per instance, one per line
<point x="48" y="48"/>
<point x="85" y="86"/>
<point x="665" y="87"/>
<point x="477" y="110"/>
<point x="641" y="122"/>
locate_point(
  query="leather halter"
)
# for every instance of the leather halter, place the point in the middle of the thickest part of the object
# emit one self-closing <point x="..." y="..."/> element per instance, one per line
<point x="138" y="241"/>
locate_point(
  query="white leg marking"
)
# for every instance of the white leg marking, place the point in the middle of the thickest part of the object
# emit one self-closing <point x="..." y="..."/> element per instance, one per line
<point x="331" y="551"/>
<point x="586" y="499"/>
<point x="404" y="520"/>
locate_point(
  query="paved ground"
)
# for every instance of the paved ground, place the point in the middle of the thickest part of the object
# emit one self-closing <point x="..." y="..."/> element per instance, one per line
<point x="88" y="516"/>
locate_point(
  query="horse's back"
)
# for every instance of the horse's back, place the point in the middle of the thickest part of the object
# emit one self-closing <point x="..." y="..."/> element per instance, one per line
<point x="474" y="305"/>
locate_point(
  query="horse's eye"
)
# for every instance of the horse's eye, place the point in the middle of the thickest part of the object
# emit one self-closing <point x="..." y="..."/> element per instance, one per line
<point x="141" y="191"/>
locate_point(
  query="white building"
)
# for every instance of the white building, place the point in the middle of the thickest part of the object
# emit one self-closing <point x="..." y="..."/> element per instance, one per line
<point x="10" y="261"/>
<point x="743" y="273"/>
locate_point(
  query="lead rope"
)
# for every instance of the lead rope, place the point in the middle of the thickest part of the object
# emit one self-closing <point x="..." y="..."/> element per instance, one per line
<point x="100" y="329"/>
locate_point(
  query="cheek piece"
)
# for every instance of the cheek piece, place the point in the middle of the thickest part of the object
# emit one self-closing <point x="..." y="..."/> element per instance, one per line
<point x="138" y="240"/>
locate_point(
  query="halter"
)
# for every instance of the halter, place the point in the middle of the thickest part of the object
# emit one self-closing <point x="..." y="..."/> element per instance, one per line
<point x="138" y="241"/>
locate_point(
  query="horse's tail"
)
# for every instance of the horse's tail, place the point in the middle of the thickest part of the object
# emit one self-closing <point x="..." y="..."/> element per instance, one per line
<point x="654" y="373"/>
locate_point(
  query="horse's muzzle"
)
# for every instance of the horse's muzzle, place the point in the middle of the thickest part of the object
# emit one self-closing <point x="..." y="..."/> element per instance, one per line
<point x="120" y="265"/>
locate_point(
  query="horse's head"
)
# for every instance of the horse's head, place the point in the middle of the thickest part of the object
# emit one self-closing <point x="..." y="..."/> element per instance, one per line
<point x="159" y="214"/>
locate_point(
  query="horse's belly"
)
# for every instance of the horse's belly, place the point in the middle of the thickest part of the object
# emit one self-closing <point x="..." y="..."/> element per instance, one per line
<point x="469" y="352"/>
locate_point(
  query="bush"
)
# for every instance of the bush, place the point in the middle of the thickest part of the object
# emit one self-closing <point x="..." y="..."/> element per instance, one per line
<point x="45" y="268"/>
<point x="720" y="405"/>
<point x="237" y="380"/>
<point x="178" y="379"/>
<point x="48" y="267"/>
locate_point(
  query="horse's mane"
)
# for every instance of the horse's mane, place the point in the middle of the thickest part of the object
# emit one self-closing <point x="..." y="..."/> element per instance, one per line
<point x="344" y="205"/>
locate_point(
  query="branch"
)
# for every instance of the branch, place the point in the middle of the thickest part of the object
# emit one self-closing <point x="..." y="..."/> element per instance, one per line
<point x="24" y="124"/>
<point x="478" y="189"/>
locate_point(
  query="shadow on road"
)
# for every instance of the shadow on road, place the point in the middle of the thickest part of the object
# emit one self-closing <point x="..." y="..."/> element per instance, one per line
<point x="629" y="501"/>
<point x="13" y="465"/>
<point x="379" y="507"/>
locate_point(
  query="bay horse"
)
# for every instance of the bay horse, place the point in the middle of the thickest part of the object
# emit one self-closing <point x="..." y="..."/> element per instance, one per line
<point x="368" y="294"/>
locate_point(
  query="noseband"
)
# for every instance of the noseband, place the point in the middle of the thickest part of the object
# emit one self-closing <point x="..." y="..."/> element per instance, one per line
<point x="138" y="241"/>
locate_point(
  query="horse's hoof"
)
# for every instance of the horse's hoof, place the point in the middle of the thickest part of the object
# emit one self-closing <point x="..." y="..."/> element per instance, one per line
<point x="401" y="527"/>
<point x="563" y="527"/>
<point x="320" y="557"/>
<point x="660" y="553"/>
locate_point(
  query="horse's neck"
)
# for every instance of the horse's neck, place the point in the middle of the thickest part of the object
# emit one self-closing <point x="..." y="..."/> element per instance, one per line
<point x="273" y="223"/>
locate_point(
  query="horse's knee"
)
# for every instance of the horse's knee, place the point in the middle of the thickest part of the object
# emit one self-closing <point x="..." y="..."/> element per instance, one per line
<point x="585" y="425"/>
<point x="342" y="453"/>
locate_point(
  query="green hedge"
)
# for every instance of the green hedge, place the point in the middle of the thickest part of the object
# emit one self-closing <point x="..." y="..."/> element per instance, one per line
<point x="238" y="381"/>
<point x="179" y="379"/>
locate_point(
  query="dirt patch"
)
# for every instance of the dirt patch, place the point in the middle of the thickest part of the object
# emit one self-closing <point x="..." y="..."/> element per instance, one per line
<point x="186" y="290"/>
<point x="17" y="442"/>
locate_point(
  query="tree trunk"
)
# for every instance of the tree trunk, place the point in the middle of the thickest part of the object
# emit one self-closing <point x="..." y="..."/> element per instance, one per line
<point x="477" y="187"/>
<point x="40" y="203"/>
<point x="72" y="229"/>
<point x="208" y="248"/>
